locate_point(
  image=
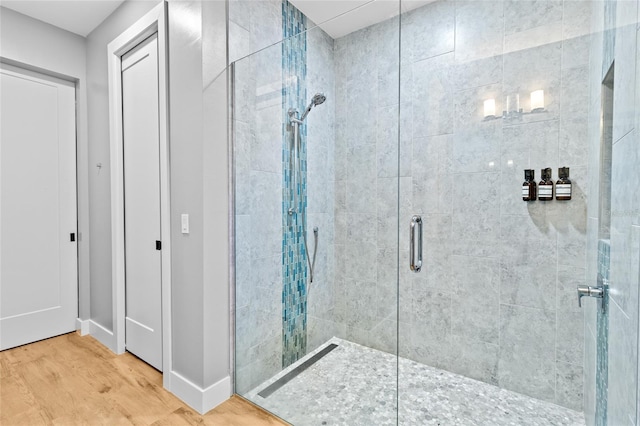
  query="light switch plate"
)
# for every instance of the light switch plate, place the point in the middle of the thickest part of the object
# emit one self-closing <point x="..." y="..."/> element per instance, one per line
<point x="185" y="223"/>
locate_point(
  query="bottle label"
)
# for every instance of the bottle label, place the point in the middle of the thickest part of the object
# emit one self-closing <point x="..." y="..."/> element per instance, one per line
<point x="545" y="191"/>
<point x="525" y="191"/>
<point x="563" y="189"/>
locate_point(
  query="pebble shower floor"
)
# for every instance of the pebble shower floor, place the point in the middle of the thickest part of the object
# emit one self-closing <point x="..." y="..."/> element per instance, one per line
<point x="354" y="385"/>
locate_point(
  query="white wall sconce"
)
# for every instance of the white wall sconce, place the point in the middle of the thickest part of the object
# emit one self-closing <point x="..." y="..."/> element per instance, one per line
<point x="489" y="109"/>
<point x="512" y="108"/>
<point x="537" y="101"/>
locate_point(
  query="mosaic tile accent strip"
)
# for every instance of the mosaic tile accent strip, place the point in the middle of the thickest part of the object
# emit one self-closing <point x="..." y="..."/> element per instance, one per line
<point x="602" y="339"/>
<point x="356" y="385"/>
<point x="294" y="261"/>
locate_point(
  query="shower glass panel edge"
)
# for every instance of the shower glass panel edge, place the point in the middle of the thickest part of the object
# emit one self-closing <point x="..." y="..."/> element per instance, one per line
<point x="346" y="313"/>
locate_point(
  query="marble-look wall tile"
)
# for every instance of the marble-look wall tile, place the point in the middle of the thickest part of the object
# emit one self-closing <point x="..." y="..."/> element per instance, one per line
<point x="480" y="72"/>
<point x="353" y="301"/>
<point x="527" y="276"/>
<point x="576" y="20"/>
<point x="386" y="282"/>
<point x="477" y="149"/>
<point x="625" y="191"/>
<point x="537" y="36"/>
<point x="431" y="327"/>
<point x="476" y="206"/>
<point x="386" y="221"/>
<point x="573" y="134"/>
<point x="240" y="13"/>
<point x="476" y="298"/>
<point x="479" y="30"/>
<point x="432" y="96"/>
<point x="387" y="146"/>
<point x="319" y="331"/>
<point x="239" y="41"/>
<point x="429" y="31"/>
<point x="575" y="94"/>
<point x="570" y="337"/>
<point x="524" y="15"/>
<point x="384" y="335"/>
<point x="266" y="150"/>
<point x="431" y="172"/>
<point x="526" y="361"/>
<point x="266" y="220"/>
<point x="243" y="255"/>
<point x="436" y="264"/>
<point x="569" y="385"/>
<point x="575" y="52"/>
<point x="623" y="364"/>
<point x="624" y="241"/>
<point x="265" y="23"/>
<point x="475" y="359"/>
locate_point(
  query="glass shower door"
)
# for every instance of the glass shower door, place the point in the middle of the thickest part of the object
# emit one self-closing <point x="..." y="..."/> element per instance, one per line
<point x="315" y="142"/>
<point x="489" y="90"/>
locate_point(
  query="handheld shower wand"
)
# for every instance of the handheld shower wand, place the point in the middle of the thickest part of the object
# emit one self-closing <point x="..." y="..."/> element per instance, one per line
<point x="295" y="123"/>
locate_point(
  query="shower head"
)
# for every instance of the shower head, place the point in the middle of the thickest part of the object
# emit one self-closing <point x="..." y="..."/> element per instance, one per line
<point x="317" y="99"/>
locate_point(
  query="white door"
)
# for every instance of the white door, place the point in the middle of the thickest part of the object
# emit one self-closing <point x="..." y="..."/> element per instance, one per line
<point x="143" y="325"/>
<point x="38" y="255"/>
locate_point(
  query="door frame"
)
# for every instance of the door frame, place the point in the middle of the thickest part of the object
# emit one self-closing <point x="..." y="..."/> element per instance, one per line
<point x="154" y="21"/>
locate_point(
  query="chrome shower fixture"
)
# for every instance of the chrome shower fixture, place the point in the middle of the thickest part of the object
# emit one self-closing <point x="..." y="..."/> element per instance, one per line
<point x="317" y="99"/>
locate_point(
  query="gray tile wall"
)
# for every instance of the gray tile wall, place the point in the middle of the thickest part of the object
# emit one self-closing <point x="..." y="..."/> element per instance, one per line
<point x="321" y="324"/>
<point x="496" y="298"/>
<point x="615" y="38"/>
<point x="463" y="176"/>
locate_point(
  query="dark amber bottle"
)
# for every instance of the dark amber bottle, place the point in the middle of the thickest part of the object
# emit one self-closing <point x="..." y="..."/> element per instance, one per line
<point x="563" y="186"/>
<point x="529" y="186"/>
<point x="545" y="188"/>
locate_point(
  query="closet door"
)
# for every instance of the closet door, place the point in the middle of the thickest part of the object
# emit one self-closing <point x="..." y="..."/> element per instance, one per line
<point x="38" y="255"/>
<point x="142" y="202"/>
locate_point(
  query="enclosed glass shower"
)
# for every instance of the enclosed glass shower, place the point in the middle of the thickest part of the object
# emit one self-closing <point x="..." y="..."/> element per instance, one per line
<point x="387" y="267"/>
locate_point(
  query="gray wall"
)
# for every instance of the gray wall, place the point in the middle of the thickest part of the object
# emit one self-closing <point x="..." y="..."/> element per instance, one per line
<point x="199" y="187"/>
<point x="27" y="41"/>
<point x="616" y="38"/>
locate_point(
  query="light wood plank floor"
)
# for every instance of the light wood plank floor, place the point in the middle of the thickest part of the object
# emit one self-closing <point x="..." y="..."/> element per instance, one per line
<point x="74" y="380"/>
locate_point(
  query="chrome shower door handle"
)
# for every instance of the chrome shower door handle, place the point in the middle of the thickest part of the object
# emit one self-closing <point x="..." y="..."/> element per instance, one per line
<point x="416" y="224"/>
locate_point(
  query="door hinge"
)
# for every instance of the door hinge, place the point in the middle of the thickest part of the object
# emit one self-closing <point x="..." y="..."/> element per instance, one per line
<point x="158" y="245"/>
<point x="72" y="237"/>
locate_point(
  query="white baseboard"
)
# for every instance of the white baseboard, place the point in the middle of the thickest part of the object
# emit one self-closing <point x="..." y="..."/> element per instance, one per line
<point x="201" y="400"/>
<point x="102" y="335"/>
<point x="82" y="326"/>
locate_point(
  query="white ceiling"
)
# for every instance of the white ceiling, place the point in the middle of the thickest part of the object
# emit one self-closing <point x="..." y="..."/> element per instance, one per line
<point x="77" y="16"/>
<point x="337" y="17"/>
<point x="337" y="20"/>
